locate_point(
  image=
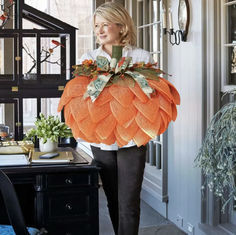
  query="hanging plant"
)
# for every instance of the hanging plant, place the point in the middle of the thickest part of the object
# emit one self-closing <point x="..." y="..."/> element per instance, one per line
<point x="217" y="156"/>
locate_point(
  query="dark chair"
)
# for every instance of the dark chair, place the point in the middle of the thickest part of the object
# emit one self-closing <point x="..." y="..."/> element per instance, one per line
<point x="14" y="212"/>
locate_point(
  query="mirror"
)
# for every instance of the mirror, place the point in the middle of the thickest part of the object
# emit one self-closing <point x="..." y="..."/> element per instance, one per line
<point x="183" y="18"/>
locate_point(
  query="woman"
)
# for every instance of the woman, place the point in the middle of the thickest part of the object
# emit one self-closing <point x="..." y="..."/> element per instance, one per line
<point x="121" y="168"/>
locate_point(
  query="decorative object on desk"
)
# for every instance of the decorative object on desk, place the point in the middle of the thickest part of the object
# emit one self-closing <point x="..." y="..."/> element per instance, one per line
<point x="233" y="64"/>
<point x="44" y="56"/>
<point x="48" y="130"/>
<point x="5" y="10"/>
<point x="49" y="146"/>
<point x="217" y="156"/>
<point x="175" y="37"/>
<point x="63" y="157"/>
<point x="4" y="132"/>
<point x="16" y="147"/>
<point x="118" y="101"/>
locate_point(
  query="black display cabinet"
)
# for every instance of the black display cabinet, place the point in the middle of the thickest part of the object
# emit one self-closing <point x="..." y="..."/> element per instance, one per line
<point x="20" y="78"/>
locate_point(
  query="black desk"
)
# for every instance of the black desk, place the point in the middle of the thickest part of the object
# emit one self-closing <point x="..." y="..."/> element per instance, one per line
<point x="63" y="198"/>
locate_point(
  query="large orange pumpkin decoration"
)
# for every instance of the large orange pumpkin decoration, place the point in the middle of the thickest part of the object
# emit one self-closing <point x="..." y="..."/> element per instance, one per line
<point x="118" y="102"/>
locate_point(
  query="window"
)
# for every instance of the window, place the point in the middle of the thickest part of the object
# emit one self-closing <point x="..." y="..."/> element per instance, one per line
<point x="219" y="41"/>
<point x="228" y="57"/>
<point x="149" y="32"/>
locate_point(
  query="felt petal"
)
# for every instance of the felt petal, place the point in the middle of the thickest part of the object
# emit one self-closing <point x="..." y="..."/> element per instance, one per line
<point x="149" y="128"/>
<point x="141" y="138"/>
<point x="104" y="97"/>
<point x="87" y="126"/>
<point x="174" y="92"/>
<point x="74" y="88"/>
<point x="174" y="112"/>
<point x="162" y="87"/>
<point x="139" y="93"/>
<point x="149" y="109"/>
<point x="111" y="139"/>
<point x="122" y="94"/>
<point x="68" y="116"/>
<point x="79" y="108"/>
<point x="165" y="105"/>
<point x="98" y="113"/>
<point x="121" y="142"/>
<point x="77" y="86"/>
<point x="105" y="127"/>
<point x="164" y="122"/>
<point x="127" y="133"/>
<point x="122" y="114"/>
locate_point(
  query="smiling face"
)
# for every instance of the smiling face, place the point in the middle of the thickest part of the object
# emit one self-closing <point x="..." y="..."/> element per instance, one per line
<point x="107" y="33"/>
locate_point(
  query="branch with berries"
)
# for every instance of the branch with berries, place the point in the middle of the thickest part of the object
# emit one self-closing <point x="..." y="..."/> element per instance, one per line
<point x="5" y="9"/>
<point x="45" y="54"/>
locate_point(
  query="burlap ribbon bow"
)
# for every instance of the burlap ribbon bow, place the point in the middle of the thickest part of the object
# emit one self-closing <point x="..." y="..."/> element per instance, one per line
<point x="120" y="68"/>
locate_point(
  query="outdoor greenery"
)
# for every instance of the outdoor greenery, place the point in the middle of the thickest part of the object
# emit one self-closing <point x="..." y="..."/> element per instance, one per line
<point x="217" y="156"/>
<point x="48" y="128"/>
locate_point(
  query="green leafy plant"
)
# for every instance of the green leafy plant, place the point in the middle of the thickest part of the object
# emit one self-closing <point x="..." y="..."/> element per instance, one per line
<point x="48" y="128"/>
<point x="217" y="156"/>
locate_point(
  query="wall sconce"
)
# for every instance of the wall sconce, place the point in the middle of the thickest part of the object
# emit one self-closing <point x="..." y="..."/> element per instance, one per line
<point x="175" y="37"/>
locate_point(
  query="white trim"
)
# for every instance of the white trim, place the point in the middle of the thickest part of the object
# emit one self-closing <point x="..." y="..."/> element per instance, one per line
<point x="147" y="25"/>
<point x="230" y="44"/>
<point x="228" y="88"/>
<point x="155" y="52"/>
<point x="230" y="3"/>
<point x="151" y="200"/>
<point x="84" y="154"/>
<point x="85" y="147"/>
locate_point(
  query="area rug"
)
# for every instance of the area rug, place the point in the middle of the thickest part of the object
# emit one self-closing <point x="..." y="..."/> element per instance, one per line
<point x="168" y="229"/>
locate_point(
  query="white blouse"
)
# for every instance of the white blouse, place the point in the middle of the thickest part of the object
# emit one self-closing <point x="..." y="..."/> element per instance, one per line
<point x="138" y="55"/>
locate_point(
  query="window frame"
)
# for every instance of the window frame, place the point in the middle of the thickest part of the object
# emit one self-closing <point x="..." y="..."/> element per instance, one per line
<point x="159" y="193"/>
<point x="214" y="84"/>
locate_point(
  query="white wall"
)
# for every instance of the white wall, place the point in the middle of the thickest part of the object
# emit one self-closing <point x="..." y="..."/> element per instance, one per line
<point x="185" y="135"/>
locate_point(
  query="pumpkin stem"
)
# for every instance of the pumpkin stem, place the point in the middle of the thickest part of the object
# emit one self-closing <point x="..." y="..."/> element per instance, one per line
<point x="116" y="52"/>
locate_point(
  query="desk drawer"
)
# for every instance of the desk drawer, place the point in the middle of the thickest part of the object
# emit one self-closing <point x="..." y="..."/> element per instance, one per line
<point x="67" y="206"/>
<point x="76" y="228"/>
<point x="68" y="180"/>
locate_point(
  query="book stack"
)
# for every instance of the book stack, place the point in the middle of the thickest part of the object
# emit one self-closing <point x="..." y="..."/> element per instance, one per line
<point x="63" y="157"/>
<point x="15" y="152"/>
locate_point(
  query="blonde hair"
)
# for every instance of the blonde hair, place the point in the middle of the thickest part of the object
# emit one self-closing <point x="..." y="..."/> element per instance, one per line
<point x="116" y="13"/>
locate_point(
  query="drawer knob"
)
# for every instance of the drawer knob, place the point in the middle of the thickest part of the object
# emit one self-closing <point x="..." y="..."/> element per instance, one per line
<point x="68" y="181"/>
<point x="68" y="206"/>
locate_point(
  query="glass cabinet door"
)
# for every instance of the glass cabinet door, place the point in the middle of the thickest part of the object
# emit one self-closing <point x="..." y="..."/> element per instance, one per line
<point x="9" y="124"/>
<point x="8" y="59"/>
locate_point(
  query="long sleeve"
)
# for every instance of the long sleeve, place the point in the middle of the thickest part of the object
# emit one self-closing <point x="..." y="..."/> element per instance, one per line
<point x="86" y="56"/>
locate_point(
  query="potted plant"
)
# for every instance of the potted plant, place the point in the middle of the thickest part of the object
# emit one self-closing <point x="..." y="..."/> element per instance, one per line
<point x="217" y="156"/>
<point x="48" y="130"/>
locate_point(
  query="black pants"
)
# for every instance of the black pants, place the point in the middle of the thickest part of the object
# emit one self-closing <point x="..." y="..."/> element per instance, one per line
<point x="122" y="175"/>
